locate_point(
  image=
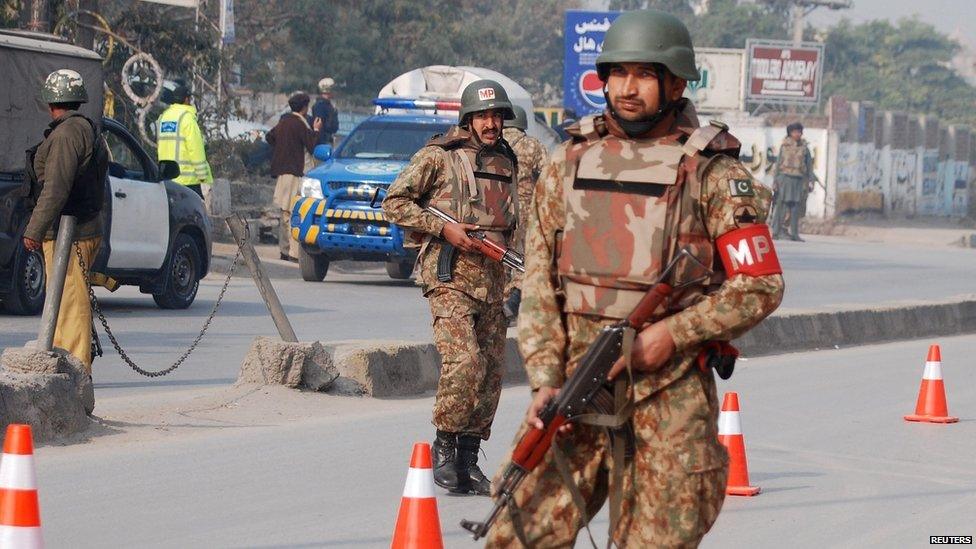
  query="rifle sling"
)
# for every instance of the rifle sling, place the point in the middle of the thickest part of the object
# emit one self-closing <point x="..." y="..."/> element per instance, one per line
<point x="559" y="457"/>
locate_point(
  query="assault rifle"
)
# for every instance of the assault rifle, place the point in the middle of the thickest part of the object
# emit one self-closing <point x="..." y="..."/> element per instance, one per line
<point x="585" y="388"/>
<point x="445" y="263"/>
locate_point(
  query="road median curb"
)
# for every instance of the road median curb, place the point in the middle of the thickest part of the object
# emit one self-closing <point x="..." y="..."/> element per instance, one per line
<point x="389" y="369"/>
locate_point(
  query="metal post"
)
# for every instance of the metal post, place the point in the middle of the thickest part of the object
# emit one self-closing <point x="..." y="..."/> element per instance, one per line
<point x="261" y="280"/>
<point x="55" y="285"/>
<point x="798" y="10"/>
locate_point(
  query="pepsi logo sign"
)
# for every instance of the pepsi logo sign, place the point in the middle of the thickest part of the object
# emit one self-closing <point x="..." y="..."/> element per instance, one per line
<point x="591" y="89"/>
<point x="486" y="94"/>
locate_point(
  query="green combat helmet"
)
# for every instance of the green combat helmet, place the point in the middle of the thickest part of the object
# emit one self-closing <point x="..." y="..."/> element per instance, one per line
<point x="649" y="36"/>
<point x="521" y="121"/>
<point x="64" y="86"/>
<point x="482" y="95"/>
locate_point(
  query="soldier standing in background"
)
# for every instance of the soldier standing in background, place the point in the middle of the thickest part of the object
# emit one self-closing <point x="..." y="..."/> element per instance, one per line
<point x="532" y="158"/>
<point x="469" y="173"/>
<point x="67" y="177"/>
<point x="794" y="176"/>
<point x="632" y="187"/>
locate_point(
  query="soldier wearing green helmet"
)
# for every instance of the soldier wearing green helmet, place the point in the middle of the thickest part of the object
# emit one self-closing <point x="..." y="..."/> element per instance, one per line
<point x="635" y="187"/>
<point x="67" y="177"/>
<point x="469" y="173"/>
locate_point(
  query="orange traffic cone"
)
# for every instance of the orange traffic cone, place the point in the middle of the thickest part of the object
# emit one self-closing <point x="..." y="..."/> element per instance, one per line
<point x="418" y="526"/>
<point x="730" y="435"/>
<point x="931" y="406"/>
<point x="20" y="516"/>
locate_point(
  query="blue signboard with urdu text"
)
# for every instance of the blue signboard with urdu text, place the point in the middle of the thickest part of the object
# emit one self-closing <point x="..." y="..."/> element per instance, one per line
<point x="582" y="88"/>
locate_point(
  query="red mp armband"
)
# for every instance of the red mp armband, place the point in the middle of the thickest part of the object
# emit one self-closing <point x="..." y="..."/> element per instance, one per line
<point x="748" y="251"/>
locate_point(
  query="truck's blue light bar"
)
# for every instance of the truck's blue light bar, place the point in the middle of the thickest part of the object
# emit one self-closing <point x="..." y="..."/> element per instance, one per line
<point x="403" y="103"/>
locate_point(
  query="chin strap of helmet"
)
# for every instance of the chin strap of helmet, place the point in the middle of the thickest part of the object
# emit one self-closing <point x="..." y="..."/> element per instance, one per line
<point x="634" y="128"/>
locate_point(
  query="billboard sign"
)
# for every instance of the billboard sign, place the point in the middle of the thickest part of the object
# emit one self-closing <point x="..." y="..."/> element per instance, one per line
<point x="780" y="72"/>
<point x="583" y="35"/>
<point x="720" y="88"/>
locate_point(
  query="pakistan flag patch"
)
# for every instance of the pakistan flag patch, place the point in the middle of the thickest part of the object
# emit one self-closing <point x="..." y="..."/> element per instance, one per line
<point x="741" y="187"/>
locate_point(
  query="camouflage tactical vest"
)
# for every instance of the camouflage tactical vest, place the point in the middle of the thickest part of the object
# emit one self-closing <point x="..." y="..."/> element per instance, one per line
<point x="482" y="195"/>
<point x="793" y="157"/>
<point x="631" y="204"/>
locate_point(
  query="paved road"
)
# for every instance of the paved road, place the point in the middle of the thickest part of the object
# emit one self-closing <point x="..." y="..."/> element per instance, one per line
<point x="824" y="432"/>
<point x="823" y="273"/>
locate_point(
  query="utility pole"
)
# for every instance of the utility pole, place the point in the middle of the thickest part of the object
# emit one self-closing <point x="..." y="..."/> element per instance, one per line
<point x="85" y="37"/>
<point x="802" y="8"/>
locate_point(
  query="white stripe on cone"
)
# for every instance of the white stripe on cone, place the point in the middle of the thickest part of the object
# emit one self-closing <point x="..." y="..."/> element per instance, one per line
<point x="728" y="423"/>
<point x="933" y="370"/>
<point x="17" y="472"/>
<point x="420" y="483"/>
<point x="16" y="537"/>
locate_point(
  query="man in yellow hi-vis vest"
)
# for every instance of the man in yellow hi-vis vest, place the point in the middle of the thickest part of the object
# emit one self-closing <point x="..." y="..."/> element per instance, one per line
<point x="178" y="138"/>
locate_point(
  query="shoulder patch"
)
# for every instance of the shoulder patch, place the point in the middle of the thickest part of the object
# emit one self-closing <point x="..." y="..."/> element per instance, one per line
<point x="745" y="216"/>
<point x="167" y="127"/>
<point x="741" y="187"/>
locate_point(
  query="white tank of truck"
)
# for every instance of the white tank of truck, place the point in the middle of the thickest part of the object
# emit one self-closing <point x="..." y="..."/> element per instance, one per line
<point x="443" y="82"/>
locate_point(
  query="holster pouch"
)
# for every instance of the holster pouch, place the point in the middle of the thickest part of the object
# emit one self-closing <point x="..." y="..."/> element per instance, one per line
<point x="446" y="261"/>
<point x="720" y="355"/>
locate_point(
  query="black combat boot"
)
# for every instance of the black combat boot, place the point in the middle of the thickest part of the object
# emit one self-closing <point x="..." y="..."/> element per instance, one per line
<point x="445" y="458"/>
<point x="470" y="478"/>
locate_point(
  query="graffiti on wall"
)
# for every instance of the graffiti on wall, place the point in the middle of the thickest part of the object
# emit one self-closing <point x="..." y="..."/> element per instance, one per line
<point x="858" y="167"/>
<point x="904" y="171"/>
<point x="931" y="196"/>
<point x="960" y="192"/>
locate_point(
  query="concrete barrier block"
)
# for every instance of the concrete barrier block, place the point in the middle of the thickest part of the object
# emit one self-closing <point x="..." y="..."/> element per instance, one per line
<point x="49" y="403"/>
<point x="271" y="361"/>
<point x="29" y="361"/>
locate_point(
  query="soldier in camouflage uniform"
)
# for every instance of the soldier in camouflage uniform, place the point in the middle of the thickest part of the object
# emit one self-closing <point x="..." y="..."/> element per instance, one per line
<point x="631" y="188"/>
<point x="532" y="157"/>
<point x="794" y="174"/>
<point x="469" y="173"/>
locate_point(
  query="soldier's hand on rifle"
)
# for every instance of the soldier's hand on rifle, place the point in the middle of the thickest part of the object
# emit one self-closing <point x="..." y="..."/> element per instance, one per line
<point x="31" y="245"/>
<point x="542" y="397"/>
<point x="653" y="347"/>
<point x="457" y="234"/>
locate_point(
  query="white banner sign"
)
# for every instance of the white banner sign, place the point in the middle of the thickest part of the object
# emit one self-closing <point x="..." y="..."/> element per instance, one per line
<point x="183" y="3"/>
<point x="720" y="88"/>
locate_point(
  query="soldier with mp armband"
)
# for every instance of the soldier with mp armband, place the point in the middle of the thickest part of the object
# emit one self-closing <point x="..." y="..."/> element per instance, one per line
<point x="633" y="188"/>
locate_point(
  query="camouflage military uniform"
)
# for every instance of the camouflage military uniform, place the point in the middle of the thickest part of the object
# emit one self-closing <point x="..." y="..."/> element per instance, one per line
<point x="468" y="323"/>
<point x="794" y="169"/>
<point x="532" y="158"/>
<point x="673" y="488"/>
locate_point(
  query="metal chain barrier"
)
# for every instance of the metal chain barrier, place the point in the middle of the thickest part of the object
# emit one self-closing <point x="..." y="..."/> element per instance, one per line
<point x="118" y="347"/>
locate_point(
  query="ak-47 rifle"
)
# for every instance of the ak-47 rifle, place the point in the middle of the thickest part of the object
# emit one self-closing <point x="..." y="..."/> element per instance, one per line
<point x="579" y="392"/>
<point x="445" y="263"/>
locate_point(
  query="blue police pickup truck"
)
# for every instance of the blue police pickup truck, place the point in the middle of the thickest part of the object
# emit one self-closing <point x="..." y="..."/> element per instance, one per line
<point x="337" y="215"/>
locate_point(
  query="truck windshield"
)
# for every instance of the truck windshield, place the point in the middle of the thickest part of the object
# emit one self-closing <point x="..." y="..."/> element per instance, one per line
<point x="389" y="141"/>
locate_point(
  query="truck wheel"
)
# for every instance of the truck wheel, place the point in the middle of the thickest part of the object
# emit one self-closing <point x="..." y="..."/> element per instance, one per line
<point x="313" y="266"/>
<point x="182" y="275"/>
<point x="27" y="287"/>
<point x="399" y="270"/>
